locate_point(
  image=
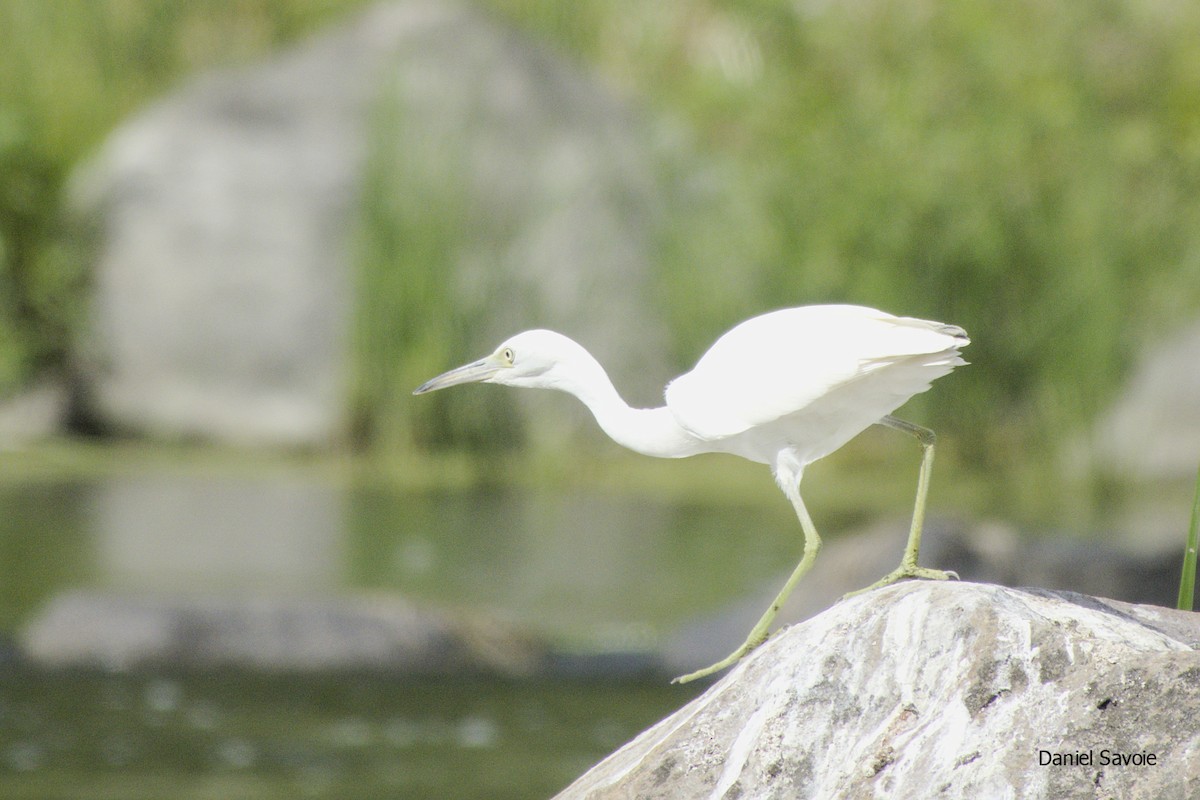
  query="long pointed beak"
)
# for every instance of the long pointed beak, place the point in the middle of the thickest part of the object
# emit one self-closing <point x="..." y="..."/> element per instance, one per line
<point x="474" y="372"/>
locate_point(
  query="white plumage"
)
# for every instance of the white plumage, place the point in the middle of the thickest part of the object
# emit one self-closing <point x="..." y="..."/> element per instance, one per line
<point x="785" y="370"/>
<point x="785" y="389"/>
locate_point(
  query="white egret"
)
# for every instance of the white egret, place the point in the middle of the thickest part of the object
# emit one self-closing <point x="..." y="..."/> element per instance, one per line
<point x="783" y="389"/>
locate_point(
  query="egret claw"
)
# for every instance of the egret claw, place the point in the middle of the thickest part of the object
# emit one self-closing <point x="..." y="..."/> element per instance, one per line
<point x="713" y="669"/>
<point x="903" y="573"/>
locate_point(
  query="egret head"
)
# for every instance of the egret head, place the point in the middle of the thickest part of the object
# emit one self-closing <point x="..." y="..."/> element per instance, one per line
<point x="535" y="359"/>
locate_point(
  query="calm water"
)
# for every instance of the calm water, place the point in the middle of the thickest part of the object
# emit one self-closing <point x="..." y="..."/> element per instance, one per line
<point x="587" y="570"/>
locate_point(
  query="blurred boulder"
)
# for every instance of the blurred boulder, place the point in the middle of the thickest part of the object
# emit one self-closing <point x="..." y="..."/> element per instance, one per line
<point x="1152" y="430"/>
<point x="225" y="218"/>
<point x="38" y="412"/>
<point x="929" y="689"/>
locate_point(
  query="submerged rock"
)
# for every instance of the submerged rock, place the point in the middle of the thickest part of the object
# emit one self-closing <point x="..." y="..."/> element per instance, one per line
<point x="938" y="690"/>
<point x="271" y="632"/>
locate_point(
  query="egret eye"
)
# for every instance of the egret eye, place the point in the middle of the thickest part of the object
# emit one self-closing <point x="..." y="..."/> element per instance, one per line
<point x="508" y="355"/>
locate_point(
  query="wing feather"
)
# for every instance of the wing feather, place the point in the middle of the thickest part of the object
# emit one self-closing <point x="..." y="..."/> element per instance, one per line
<point x="778" y="363"/>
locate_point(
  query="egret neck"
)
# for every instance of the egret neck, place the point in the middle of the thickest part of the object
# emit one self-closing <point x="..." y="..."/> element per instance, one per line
<point x="649" y="431"/>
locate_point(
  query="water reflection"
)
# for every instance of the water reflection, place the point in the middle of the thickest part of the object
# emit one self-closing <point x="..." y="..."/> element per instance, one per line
<point x="180" y="532"/>
<point x="585" y="567"/>
<point x="576" y="565"/>
<point x="579" y="567"/>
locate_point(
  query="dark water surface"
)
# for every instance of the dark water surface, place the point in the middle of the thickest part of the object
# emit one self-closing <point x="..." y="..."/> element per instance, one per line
<point x="231" y="735"/>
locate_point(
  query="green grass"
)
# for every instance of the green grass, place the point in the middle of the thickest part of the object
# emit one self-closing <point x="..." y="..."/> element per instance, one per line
<point x="1187" y="581"/>
<point x="415" y="226"/>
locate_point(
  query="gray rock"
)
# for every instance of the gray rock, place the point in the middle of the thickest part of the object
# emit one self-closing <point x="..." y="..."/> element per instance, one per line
<point x="936" y="690"/>
<point x="38" y="412"/>
<point x="1152" y="430"/>
<point x="270" y="632"/>
<point x="989" y="552"/>
<point x="222" y="274"/>
<point x="225" y="217"/>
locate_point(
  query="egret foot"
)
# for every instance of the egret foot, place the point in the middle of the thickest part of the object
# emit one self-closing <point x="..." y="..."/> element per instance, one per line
<point x="727" y="661"/>
<point x="908" y="563"/>
<point x="905" y="571"/>
<point x="762" y="629"/>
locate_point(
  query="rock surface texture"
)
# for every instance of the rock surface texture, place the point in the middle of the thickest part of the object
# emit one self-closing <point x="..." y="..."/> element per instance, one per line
<point x="984" y="552"/>
<point x="927" y="690"/>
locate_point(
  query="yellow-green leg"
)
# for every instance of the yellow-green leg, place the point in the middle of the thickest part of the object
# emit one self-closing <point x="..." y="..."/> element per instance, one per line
<point x="908" y="563"/>
<point x="761" y="629"/>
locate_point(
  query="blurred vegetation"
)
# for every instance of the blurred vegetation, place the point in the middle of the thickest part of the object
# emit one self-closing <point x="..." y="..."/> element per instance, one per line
<point x="1029" y="171"/>
<point x="411" y="323"/>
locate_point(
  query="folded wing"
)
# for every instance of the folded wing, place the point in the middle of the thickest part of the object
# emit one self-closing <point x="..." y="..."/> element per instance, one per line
<point x="779" y="363"/>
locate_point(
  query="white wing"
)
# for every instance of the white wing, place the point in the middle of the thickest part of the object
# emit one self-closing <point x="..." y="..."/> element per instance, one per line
<point x="779" y="363"/>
